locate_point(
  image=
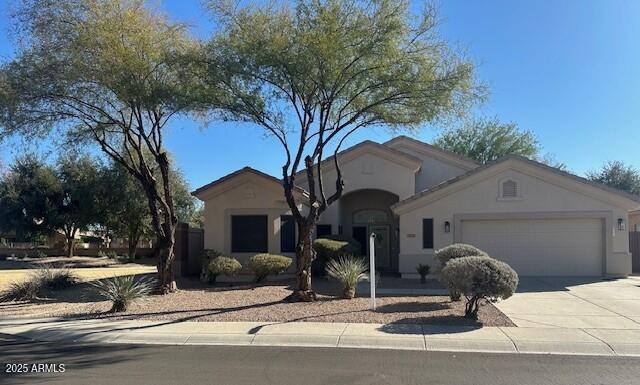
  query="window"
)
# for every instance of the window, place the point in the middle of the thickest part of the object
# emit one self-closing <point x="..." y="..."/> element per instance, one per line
<point x="323" y="230"/>
<point x="427" y="233"/>
<point x="287" y="234"/>
<point x="509" y="189"/>
<point x="249" y="234"/>
<point x="360" y="234"/>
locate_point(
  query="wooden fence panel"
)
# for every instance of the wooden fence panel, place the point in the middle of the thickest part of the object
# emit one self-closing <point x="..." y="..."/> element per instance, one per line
<point x="634" y="248"/>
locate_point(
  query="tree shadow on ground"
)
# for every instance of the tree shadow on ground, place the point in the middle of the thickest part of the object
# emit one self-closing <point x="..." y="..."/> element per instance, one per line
<point x="75" y="356"/>
<point x="431" y="325"/>
<point x="413" y="307"/>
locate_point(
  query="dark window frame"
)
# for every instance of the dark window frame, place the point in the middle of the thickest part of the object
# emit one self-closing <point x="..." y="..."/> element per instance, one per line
<point x="240" y="241"/>
<point x="427" y="233"/>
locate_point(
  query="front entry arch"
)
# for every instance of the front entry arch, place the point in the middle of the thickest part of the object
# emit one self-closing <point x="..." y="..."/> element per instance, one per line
<point x="363" y="212"/>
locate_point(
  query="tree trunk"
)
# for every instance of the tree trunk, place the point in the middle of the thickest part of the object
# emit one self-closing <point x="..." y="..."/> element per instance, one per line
<point x="304" y="258"/>
<point x="166" y="274"/>
<point x="133" y="246"/>
<point x="71" y="242"/>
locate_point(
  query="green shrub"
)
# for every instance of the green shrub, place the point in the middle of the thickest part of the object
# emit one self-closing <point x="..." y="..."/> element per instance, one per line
<point x="207" y="256"/>
<point x="423" y="270"/>
<point x="348" y="270"/>
<point x="264" y="265"/>
<point x="479" y="278"/>
<point x="101" y="254"/>
<point x="456" y="250"/>
<point x="332" y="247"/>
<point x="112" y="254"/>
<point x="41" y="254"/>
<point x="223" y="266"/>
<point x="122" y="291"/>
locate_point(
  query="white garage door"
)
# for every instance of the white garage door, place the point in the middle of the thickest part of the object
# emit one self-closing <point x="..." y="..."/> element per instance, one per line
<point x="546" y="247"/>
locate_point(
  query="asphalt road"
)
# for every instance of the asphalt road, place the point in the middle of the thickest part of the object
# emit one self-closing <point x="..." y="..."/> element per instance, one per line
<point x="116" y="364"/>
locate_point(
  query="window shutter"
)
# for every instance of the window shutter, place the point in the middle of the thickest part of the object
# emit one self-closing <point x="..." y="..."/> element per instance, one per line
<point x="287" y="234"/>
<point x="427" y="233"/>
<point x="249" y="234"/>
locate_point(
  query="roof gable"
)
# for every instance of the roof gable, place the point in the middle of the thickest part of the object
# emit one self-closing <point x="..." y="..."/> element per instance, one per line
<point x="431" y="151"/>
<point x="603" y="192"/>
<point x="219" y="184"/>
<point x="370" y="147"/>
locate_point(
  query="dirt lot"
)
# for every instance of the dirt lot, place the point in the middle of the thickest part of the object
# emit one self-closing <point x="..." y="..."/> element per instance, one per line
<point x="251" y="302"/>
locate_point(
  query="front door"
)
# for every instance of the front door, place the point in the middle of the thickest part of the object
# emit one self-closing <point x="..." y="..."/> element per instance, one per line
<point x="382" y="246"/>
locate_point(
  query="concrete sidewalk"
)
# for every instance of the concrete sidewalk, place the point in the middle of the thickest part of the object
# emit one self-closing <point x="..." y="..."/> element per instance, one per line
<point x="607" y="342"/>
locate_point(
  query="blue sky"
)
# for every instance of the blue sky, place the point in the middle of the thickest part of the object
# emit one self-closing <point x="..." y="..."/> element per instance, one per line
<point x="567" y="70"/>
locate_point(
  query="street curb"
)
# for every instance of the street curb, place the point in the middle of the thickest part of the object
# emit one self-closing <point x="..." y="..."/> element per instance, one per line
<point x="503" y="340"/>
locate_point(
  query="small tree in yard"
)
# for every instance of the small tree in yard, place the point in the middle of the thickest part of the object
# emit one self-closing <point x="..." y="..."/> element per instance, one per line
<point x="109" y="72"/>
<point x="479" y="278"/>
<point x="313" y="75"/>
<point x="79" y="209"/>
<point x="30" y="196"/>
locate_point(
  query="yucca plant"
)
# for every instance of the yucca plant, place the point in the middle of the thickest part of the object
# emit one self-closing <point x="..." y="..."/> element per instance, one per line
<point x="26" y="290"/>
<point x="348" y="271"/>
<point x="122" y="291"/>
<point x="423" y="270"/>
<point x="55" y="279"/>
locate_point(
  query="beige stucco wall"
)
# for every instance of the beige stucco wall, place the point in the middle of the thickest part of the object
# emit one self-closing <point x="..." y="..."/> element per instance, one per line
<point x="433" y="171"/>
<point x="479" y="194"/>
<point x="634" y="221"/>
<point x="246" y="195"/>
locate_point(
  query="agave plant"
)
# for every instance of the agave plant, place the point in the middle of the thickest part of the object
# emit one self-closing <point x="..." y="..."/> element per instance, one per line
<point x="123" y="290"/>
<point x="349" y="271"/>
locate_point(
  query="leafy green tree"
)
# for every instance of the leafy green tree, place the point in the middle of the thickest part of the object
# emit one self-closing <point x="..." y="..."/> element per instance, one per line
<point x="111" y="72"/>
<point x="618" y="175"/>
<point x="486" y="140"/>
<point x="79" y="208"/>
<point x="125" y="207"/>
<point x="314" y="73"/>
<point x="30" y="197"/>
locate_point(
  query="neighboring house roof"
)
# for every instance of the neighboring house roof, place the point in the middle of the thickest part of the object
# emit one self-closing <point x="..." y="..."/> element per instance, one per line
<point x="243" y="170"/>
<point x="388" y="152"/>
<point x="454" y="181"/>
<point x="434" y="151"/>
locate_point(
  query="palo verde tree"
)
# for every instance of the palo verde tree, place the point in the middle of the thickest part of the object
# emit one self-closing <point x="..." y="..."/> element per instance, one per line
<point x="110" y="72"/>
<point x="314" y="73"/>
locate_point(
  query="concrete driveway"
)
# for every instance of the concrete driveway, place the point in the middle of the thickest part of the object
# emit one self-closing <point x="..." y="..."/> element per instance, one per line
<point x="575" y="302"/>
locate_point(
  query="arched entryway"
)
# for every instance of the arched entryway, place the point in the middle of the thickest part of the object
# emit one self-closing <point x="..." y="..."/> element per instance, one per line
<point x="367" y="211"/>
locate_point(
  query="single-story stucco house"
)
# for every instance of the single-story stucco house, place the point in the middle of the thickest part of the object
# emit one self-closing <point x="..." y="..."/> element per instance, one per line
<point x="418" y="198"/>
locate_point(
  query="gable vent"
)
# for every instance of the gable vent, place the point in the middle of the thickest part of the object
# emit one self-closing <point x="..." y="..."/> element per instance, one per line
<point x="510" y="189"/>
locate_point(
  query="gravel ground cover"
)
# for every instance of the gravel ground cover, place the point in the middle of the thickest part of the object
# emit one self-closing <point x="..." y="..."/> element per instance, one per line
<point x="252" y="302"/>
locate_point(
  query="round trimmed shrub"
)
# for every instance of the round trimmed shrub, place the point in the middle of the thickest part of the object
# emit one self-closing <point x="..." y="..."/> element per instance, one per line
<point x="478" y="278"/>
<point x="223" y="266"/>
<point x="457" y="250"/>
<point x="264" y="265"/>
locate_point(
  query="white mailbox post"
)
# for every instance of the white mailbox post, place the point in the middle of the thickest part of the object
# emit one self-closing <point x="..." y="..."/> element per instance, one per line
<point x="372" y="269"/>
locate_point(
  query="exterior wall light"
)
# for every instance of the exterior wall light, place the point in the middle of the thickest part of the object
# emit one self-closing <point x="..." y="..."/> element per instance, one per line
<point x="621" y="225"/>
<point x="447" y="226"/>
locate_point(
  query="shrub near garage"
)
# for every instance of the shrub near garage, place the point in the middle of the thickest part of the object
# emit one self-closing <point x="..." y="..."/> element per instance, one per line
<point x="223" y="266"/>
<point x="264" y="265"/>
<point x="456" y="250"/>
<point x="479" y="278"/>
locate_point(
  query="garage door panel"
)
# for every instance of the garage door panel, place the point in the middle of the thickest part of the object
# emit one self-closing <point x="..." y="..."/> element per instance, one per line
<point x="556" y="247"/>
